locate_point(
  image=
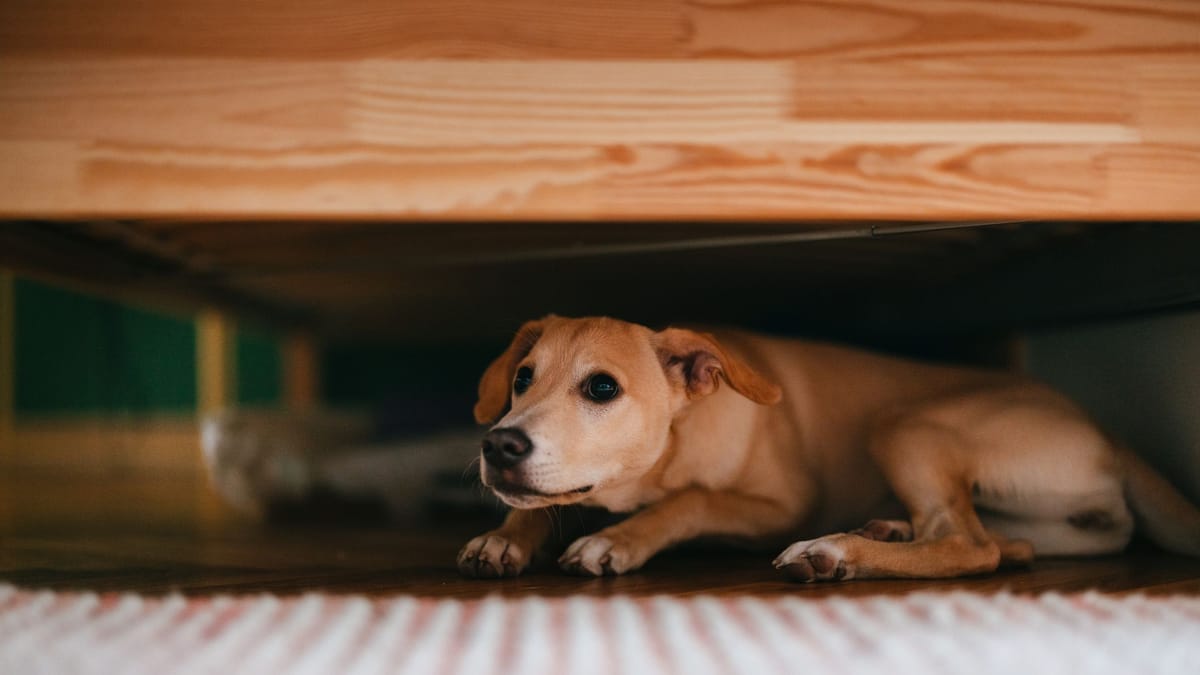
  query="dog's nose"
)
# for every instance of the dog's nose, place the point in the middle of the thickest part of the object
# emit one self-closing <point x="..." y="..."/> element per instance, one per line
<point x="503" y="448"/>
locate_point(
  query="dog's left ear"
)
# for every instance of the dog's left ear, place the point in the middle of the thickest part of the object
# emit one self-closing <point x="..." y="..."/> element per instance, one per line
<point x="495" y="387"/>
<point x="698" y="361"/>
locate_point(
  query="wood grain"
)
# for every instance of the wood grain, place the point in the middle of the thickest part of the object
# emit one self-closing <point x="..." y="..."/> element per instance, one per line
<point x="587" y="29"/>
<point x="584" y="110"/>
<point x="331" y="29"/>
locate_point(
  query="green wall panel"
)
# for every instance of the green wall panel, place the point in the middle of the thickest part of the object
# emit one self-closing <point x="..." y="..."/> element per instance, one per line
<point x="259" y="368"/>
<point x="412" y="388"/>
<point x="76" y="353"/>
<point x="366" y="372"/>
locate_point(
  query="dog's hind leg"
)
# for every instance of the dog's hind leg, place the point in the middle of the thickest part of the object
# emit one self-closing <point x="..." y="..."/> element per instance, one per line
<point x="923" y="464"/>
<point x="850" y="556"/>
<point x="1012" y="551"/>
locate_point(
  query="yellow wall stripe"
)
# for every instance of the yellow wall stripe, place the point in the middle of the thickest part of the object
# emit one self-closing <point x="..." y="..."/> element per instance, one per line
<point x="216" y="367"/>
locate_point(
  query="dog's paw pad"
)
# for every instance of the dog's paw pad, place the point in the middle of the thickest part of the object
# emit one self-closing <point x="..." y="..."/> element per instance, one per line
<point x="822" y="562"/>
<point x="598" y="555"/>
<point x="490" y="556"/>
<point x="886" y="530"/>
<point x="815" y="560"/>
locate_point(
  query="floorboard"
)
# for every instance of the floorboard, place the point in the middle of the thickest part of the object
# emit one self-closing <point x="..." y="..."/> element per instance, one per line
<point x="164" y="537"/>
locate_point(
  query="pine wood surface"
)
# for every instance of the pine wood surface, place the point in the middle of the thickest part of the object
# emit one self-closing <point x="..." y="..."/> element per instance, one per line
<point x="655" y="109"/>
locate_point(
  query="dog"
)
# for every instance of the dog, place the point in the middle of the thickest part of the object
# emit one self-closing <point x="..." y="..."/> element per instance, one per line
<point x="954" y="471"/>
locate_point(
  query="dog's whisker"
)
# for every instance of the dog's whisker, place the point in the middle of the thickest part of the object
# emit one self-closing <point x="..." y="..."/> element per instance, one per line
<point x="473" y="465"/>
<point x="552" y="514"/>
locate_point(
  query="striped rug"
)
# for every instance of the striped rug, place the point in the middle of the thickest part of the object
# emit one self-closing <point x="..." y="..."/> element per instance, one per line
<point x="926" y="633"/>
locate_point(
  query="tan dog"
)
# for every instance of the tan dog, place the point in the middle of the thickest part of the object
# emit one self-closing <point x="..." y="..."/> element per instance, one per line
<point x="806" y="440"/>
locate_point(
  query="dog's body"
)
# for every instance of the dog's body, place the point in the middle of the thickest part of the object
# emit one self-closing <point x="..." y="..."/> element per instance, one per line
<point x="973" y="468"/>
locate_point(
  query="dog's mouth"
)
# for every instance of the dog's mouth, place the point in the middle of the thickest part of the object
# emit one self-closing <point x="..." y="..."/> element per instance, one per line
<point x="507" y="483"/>
<point x="507" y="489"/>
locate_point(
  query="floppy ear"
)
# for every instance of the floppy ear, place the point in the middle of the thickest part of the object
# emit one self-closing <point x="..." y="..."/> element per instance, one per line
<point x="495" y="387"/>
<point x="699" y="362"/>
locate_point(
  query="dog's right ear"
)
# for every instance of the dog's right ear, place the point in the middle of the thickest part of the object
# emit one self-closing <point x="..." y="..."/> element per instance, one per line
<point x="495" y="387"/>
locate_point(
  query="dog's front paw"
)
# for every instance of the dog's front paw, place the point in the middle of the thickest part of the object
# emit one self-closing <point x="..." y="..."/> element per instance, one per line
<point x="491" y="556"/>
<point x="600" y="554"/>
<point x="821" y="559"/>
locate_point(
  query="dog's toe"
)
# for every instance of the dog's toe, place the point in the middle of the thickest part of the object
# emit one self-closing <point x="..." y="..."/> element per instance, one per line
<point x="588" y="556"/>
<point x="815" y="560"/>
<point x="799" y="568"/>
<point x="598" y="555"/>
<point x="491" y="556"/>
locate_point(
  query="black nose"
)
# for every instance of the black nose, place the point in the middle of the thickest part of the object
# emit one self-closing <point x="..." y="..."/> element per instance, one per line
<point x="503" y="448"/>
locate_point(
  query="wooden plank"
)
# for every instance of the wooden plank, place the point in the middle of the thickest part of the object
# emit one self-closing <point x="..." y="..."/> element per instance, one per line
<point x="1115" y="272"/>
<point x="257" y="249"/>
<point x="950" y="109"/>
<point x="335" y="29"/>
<point x="481" y="155"/>
<point x="89" y="258"/>
<point x="890" y="29"/>
<point x="429" y="281"/>
<point x="588" y="29"/>
<point x="65" y="531"/>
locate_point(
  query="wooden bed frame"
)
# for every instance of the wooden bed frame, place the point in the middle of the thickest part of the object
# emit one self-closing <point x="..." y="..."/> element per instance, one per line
<point x="589" y="110"/>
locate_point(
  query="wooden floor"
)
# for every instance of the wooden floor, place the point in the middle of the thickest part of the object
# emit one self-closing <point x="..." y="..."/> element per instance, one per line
<point x="170" y="535"/>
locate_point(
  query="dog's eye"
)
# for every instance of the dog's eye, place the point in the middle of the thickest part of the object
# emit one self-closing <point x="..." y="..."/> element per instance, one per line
<point x="601" y="387"/>
<point x="523" y="379"/>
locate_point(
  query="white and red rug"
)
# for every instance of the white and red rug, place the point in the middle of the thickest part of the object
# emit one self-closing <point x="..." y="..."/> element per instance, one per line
<point x="925" y="633"/>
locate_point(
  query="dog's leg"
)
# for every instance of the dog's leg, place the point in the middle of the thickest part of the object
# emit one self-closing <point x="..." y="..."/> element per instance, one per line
<point x="1012" y="551"/>
<point x="944" y="549"/>
<point x="507" y="550"/>
<point x="923" y="463"/>
<point x="682" y="516"/>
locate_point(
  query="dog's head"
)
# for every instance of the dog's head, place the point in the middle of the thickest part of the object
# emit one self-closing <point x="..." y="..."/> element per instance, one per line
<point x="584" y="404"/>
